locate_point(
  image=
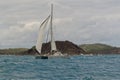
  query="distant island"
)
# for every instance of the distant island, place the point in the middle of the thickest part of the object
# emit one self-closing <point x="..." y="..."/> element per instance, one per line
<point x="99" y="48"/>
<point x="66" y="47"/>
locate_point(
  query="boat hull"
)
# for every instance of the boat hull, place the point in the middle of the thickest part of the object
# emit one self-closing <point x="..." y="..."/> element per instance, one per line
<point x="41" y="57"/>
<point x="49" y="57"/>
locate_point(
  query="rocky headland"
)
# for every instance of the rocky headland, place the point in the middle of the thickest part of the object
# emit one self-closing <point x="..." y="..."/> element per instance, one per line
<point x="65" y="47"/>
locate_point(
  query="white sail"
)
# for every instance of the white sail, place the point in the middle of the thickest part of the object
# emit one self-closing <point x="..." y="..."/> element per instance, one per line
<point x="41" y="35"/>
<point x="53" y="45"/>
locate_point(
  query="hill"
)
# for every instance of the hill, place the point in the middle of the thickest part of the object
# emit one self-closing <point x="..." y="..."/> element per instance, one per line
<point x="66" y="47"/>
<point x="95" y="47"/>
<point x="99" y="48"/>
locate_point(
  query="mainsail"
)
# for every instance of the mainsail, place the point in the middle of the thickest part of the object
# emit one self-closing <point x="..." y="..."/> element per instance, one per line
<point x="41" y="34"/>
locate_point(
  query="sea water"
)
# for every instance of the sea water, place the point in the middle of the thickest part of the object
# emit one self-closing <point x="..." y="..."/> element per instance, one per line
<point x="100" y="67"/>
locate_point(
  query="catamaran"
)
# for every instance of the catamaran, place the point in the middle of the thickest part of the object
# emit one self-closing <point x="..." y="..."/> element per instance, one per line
<point x="41" y="35"/>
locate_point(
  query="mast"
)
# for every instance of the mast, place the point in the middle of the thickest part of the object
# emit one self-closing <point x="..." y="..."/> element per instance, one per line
<point x="51" y="22"/>
<point x="53" y="45"/>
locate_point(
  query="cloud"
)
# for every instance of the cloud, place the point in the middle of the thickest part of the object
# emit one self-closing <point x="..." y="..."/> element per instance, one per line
<point x="80" y="21"/>
<point x="62" y="20"/>
<point x="19" y="36"/>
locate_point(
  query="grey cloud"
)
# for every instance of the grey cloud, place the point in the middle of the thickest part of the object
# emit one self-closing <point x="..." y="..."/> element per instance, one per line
<point x="80" y="21"/>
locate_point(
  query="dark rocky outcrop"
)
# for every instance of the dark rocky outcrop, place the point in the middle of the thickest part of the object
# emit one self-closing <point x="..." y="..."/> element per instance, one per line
<point x="62" y="46"/>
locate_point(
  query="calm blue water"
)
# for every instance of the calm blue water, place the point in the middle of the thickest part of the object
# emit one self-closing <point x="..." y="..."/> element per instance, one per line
<point x="74" y="68"/>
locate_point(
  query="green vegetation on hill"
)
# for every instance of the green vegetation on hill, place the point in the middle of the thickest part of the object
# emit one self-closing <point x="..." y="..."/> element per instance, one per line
<point x="13" y="51"/>
<point x="95" y="47"/>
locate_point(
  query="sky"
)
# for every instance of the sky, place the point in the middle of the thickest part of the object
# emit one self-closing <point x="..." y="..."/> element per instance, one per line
<point x="79" y="21"/>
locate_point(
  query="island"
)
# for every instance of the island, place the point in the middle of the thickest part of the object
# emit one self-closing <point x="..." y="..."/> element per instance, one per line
<point x="66" y="47"/>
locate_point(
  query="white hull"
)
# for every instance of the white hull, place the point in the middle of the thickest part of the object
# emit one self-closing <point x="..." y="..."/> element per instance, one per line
<point x="47" y="56"/>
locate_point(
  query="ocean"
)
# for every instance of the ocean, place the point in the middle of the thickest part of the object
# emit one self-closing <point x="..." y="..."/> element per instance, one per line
<point x="101" y="67"/>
